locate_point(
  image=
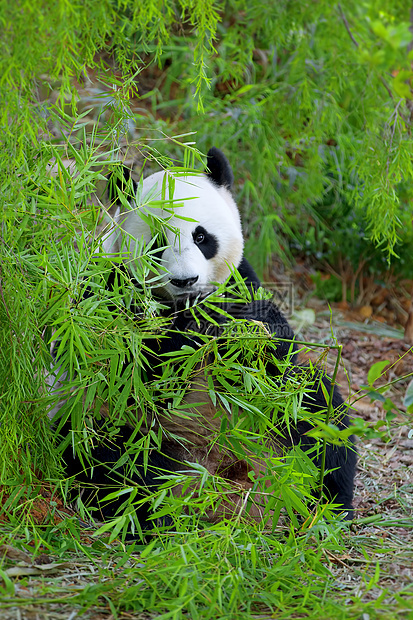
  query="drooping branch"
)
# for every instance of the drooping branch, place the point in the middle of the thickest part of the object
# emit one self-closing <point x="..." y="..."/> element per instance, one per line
<point x="347" y="25"/>
<point x="408" y="328"/>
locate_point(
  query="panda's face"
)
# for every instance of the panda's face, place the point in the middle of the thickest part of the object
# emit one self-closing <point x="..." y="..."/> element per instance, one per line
<point x="202" y="229"/>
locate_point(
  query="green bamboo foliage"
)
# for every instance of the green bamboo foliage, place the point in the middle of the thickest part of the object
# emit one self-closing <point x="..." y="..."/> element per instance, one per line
<point x="303" y="97"/>
<point x="54" y="275"/>
<point x="296" y="119"/>
<point x="309" y="100"/>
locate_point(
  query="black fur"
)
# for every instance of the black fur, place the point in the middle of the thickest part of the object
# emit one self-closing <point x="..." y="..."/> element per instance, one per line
<point x="249" y="274"/>
<point x="219" y="170"/>
<point x="209" y="245"/>
<point x="96" y="484"/>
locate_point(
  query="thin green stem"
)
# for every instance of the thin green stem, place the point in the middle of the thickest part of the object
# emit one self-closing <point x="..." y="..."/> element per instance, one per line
<point x="328" y="414"/>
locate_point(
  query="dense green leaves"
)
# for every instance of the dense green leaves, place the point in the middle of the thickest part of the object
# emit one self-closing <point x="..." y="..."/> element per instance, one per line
<point x="297" y="92"/>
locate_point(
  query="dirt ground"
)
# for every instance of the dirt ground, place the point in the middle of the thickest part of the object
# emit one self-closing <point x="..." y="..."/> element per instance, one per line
<point x="384" y="481"/>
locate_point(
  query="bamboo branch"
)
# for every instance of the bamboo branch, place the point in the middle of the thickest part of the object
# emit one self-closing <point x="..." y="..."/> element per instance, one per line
<point x="328" y="415"/>
<point x="343" y="17"/>
<point x="347" y="26"/>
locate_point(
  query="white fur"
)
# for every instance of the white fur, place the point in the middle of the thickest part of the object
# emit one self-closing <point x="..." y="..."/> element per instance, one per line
<point x="194" y="197"/>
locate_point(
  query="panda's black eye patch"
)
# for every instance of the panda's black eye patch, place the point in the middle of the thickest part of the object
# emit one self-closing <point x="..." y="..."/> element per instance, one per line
<point x="207" y="243"/>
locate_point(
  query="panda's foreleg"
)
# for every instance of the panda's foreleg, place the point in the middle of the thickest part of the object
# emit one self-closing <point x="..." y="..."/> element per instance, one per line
<point x="265" y="312"/>
<point x="98" y="476"/>
<point x="340" y="463"/>
<point x="340" y="460"/>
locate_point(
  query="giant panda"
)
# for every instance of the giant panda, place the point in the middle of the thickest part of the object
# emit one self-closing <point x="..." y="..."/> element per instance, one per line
<point x="202" y="243"/>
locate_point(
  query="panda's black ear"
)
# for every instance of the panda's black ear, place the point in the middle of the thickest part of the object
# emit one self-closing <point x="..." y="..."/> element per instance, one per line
<point x="120" y="180"/>
<point x="218" y="168"/>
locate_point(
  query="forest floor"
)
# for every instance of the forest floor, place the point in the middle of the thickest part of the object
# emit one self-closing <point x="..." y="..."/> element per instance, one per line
<point x="370" y="332"/>
<point x="384" y="481"/>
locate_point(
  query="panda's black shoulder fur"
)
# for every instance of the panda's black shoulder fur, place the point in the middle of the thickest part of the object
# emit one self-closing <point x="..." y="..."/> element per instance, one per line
<point x="248" y="274"/>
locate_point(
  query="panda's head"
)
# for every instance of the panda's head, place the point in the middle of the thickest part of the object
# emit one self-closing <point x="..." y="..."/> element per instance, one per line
<point x="202" y="227"/>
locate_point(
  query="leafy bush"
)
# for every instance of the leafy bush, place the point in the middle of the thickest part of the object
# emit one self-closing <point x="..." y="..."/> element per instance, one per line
<point x="336" y="234"/>
<point x="286" y="82"/>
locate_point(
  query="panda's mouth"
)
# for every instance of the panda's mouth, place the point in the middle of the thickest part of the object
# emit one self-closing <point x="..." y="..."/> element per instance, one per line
<point x="183" y="289"/>
<point x="190" y="294"/>
<point x="167" y="293"/>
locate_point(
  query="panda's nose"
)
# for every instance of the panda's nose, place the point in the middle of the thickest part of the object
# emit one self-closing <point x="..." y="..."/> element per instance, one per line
<point x="184" y="283"/>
